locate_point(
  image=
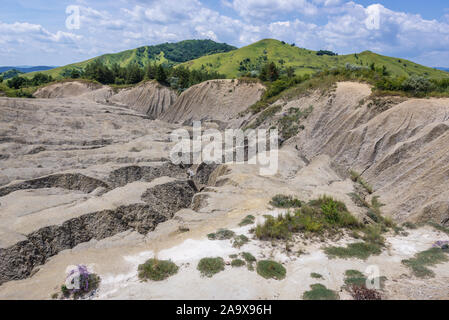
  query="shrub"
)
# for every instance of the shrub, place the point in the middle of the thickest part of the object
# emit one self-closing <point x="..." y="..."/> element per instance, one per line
<point x="356" y="177"/>
<point x="247" y="221"/>
<point x="157" y="270"/>
<point x="323" y="214"/>
<point x="221" y="234"/>
<point x="211" y="266"/>
<point x="240" y="240"/>
<point x="250" y="259"/>
<point x="282" y="201"/>
<point x="237" y="263"/>
<point x="320" y="292"/>
<point x="271" y="270"/>
<point x="417" y="84"/>
<point x="316" y="275"/>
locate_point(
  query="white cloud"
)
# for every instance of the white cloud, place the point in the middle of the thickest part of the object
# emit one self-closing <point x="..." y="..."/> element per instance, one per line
<point x="316" y="24"/>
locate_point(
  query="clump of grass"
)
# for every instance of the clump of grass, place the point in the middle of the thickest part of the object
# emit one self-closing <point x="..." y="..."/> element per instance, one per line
<point x="240" y="240"/>
<point x="271" y="270"/>
<point x="316" y="275"/>
<point x="237" y="263"/>
<point x="410" y="225"/>
<point x="250" y="260"/>
<point x="289" y="124"/>
<point x="356" y="177"/>
<point x="283" y="201"/>
<point x="221" y="234"/>
<point x="439" y="227"/>
<point x="157" y="270"/>
<point x="211" y="266"/>
<point x="320" y="292"/>
<point x="233" y="256"/>
<point x="421" y="261"/>
<point x="360" y="250"/>
<point x="354" y="277"/>
<point x="247" y="221"/>
<point x="323" y="214"/>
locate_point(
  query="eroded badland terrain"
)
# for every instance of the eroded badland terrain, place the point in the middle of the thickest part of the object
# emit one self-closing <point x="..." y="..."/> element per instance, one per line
<point x="85" y="178"/>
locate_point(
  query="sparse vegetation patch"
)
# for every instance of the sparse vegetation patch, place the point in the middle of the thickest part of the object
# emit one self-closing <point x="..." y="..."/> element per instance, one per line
<point x="247" y="221"/>
<point x="421" y="261"/>
<point x="320" y="292"/>
<point x="211" y="266"/>
<point x="221" y="234"/>
<point x="237" y="263"/>
<point x="282" y="201"/>
<point x="157" y="270"/>
<point x="360" y="250"/>
<point x="271" y="270"/>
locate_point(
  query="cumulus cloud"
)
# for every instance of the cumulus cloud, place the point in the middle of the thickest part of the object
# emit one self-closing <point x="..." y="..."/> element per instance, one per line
<point x="337" y="25"/>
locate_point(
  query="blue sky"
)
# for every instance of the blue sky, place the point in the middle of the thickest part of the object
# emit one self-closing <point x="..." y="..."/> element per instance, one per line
<point x="34" y="32"/>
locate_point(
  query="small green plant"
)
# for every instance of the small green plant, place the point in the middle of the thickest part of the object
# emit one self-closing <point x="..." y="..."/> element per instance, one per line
<point x="247" y="221"/>
<point x="250" y="260"/>
<point x="240" y="240"/>
<point x="354" y="277"/>
<point x="360" y="250"/>
<point x="221" y="234"/>
<point x="282" y="201"/>
<point x="211" y="266"/>
<point x="410" y="225"/>
<point x="316" y="275"/>
<point x="320" y="292"/>
<point x="157" y="270"/>
<point x="55" y="296"/>
<point x="237" y="263"/>
<point x="356" y="177"/>
<point x="421" y="261"/>
<point x="439" y="227"/>
<point x="271" y="270"/>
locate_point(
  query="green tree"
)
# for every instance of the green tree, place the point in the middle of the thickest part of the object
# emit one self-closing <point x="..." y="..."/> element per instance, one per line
<point x="161" y="76"/>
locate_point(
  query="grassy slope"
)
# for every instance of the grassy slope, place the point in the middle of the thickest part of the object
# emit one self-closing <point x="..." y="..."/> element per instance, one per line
<point x="304" y="61"/>
<point x="148" y="54"/>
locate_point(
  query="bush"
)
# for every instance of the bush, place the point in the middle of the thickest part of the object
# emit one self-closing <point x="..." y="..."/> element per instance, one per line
<point x="221" y="234"/>
<point x="211" y="266"/>
<point x="240" y="240"/>
<point x="320" y="292"/>
<point x="323" y="214"/>
<point x="237" y="263"/>
<point x="282" y="201"/>
<point x="247" y="221"/>
<point x="316" y="275"/>
<point x="417" y="84"/>
<point x="157" y="270"/>
<point x="271" y="270"/>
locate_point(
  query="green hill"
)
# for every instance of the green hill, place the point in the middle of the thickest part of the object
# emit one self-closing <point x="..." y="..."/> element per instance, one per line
<point x="250" y="59"/>
<point x="166" y="53"/>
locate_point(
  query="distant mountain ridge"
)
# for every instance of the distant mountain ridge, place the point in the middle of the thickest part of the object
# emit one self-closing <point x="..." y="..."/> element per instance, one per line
<point x="26" y="69"/>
